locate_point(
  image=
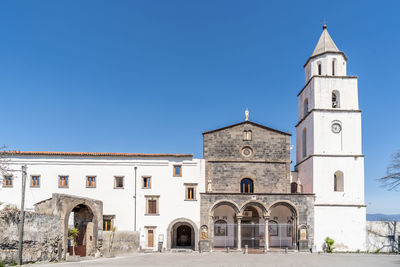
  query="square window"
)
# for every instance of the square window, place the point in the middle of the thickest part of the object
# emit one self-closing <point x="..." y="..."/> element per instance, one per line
<point x="177" y="170"/>
<point x="118" y="182"/>
<point x="63" y="181"/>
<point x="146" y="182"/>
<point x="8" y="181"/>
<point x="108" y="222"/>
<point x="91" y="181"/>
<point x="35" y="181"/>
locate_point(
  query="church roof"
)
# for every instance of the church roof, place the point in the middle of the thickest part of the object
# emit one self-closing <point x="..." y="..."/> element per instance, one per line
<point x="325" y="44"/>
<point x="94" y="154"/>
<point x="246" y="122"/>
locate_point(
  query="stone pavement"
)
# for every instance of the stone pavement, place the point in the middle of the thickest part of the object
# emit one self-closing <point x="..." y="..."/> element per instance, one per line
<point x="240" y="260"/>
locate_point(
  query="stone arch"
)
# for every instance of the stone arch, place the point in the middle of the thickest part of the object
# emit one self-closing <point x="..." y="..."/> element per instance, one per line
<point x="62" y="205"/>
<point x="181" y="222"/>
<point x="286" y="203"/>
<point x="255" y="203"/>
<point x="227" y="202"/>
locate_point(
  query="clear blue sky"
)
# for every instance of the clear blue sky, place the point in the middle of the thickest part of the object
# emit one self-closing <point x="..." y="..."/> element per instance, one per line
<point x="151" y="76"/>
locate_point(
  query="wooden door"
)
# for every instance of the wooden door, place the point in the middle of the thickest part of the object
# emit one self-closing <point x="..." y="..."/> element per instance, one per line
<point x="150" y="238"/>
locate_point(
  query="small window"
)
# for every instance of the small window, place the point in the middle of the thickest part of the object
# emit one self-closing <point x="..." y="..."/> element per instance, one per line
<point x="118" y="182"/>
<point x="146" y="182"/>
<point x="8" y="181"/>
<point x="35" y="181"/>
<point x="190" y="192"/>
<point x="108" y="222"/>
<point x="247" y="135"/>
<point x="333" y="67"/>
<point x="319" y="69"/>
<point x="293" y="187"/>
<point x="338" y="181"/>
<point x="304" y="142"/>
<point x="246" y="186"/>
<point x="91" y="181"/>
<point x="305" y="107"/>
<point x="63" y="181"/>
<point x="177" y="170"/>
<point x="152" y="205"/>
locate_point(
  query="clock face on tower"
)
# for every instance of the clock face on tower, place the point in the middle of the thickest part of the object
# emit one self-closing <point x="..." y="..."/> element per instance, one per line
<point x="336" y="128"/>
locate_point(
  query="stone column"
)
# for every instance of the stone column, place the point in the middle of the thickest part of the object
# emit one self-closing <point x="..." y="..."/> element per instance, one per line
<point x="239" y="232"/>
<point x="266" y="242"/>
<point x="211" y="232"/>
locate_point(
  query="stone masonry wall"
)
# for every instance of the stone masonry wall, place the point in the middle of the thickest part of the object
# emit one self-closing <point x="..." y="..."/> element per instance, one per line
<point x="42" y="236"/>
<point x="124" y="242"/>
<point x="268" y="166"/>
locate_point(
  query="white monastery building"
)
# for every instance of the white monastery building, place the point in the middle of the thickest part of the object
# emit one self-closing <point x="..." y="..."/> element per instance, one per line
<point x="242" y="193"/>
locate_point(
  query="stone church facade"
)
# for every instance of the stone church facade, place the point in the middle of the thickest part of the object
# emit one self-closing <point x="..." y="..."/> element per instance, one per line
<point x="249" y="194"/>
<point x="243" y="193"/>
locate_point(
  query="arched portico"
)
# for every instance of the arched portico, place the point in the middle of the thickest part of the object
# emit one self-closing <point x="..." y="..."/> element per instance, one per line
<point x="182" y="233"/>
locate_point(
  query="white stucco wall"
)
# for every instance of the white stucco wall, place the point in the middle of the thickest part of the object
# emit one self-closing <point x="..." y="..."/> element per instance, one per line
<point x="345" y="225"/>
<point x="118" y="202"/>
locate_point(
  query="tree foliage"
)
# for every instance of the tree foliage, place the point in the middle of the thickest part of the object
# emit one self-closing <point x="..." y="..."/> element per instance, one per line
<point x="392" y="178"/>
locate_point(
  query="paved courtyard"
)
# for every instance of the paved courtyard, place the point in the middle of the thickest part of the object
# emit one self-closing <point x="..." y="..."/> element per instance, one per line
<point x="233" y="259"/>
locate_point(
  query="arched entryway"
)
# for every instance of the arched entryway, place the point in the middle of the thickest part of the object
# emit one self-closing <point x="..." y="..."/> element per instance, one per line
<point x="82" y="220"/>
<point x="182" y="234"/>
<point x="283" y="225"/>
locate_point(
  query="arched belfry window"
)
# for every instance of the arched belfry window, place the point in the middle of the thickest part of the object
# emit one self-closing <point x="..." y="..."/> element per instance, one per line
<point x="335" y="99"/>
<point x="293" y="187"/>
<point x="305" y="107"/>
<point x="246" y="186"/>
<point x="304" y="137"/>
<point x="338" y="181"/>
<point x="319" y="68"/>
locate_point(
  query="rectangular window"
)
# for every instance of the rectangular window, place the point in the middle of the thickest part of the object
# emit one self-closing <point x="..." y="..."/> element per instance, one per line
<point x="146" y="182"/>
<point x="108" y="222"/>
<point x="63" y="181"/>
<point x="35" y="181"/>
<point x="177" y="170"/>
<point x="91" y="181"/>
<point x="8" y="181"/>
<point x="152" y="205"/>
<point x="118" y="182"/>
<point x="190" y="191"/>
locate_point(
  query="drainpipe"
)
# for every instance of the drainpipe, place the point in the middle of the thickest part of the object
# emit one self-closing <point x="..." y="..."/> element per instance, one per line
<point x="134" y="222"/>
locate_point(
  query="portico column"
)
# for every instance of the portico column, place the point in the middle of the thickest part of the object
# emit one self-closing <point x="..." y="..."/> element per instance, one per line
<point x="266" y="242"/>
<point x="239" y="232"/>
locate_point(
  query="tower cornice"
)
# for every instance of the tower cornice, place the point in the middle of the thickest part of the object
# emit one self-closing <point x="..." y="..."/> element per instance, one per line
<point x="325" y="76"/>
<point x="325" y="53"/>
<point x="328" y="110"/>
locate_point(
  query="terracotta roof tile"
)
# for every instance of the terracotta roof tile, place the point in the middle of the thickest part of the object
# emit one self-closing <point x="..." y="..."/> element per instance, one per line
<point x="95" y="154"/>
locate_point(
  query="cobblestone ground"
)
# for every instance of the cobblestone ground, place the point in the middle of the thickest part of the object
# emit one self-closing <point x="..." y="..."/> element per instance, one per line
<point x="233" y="259"/>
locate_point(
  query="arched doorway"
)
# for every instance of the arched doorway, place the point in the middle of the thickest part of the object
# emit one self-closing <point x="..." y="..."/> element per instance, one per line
<point x="182" y="234"/>
<point x="224" y="226"/>
<point x="81" y="218"/>
<point x="251" y="227"/>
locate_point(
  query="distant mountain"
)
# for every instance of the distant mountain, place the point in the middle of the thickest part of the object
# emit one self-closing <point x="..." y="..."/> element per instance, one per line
<point x="383" y="217"/>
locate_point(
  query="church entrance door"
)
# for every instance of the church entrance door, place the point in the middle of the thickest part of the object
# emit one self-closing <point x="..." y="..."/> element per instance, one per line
<point x="184" y="234"/>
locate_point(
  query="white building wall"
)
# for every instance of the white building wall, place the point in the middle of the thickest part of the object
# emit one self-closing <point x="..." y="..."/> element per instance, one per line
<point x="345" y="225"/>
<point x="118" y="202"/>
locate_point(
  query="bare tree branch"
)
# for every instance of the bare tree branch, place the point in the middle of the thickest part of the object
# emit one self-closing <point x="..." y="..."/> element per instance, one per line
<point x="392" y="178"/>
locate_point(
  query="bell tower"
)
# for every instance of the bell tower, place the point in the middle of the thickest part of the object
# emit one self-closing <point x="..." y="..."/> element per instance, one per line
<point x="329" y="159"/>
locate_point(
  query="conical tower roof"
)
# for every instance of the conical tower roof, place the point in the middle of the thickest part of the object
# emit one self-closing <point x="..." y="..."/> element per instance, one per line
<point x="325" y="44"/>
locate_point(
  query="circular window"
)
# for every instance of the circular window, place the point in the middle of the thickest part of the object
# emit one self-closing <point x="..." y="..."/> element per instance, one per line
<point x="247" y="151"/>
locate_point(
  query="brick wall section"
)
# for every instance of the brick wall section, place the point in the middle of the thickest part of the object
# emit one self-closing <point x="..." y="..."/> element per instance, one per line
<point x="269" y="166"/>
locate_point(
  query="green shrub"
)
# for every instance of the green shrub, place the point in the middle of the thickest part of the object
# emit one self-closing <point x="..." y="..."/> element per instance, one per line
<point x="14" y="263"/>
<point x="329" y="244"/>
<point x="357" y="251"/>
<point x="2" y="264"/>
<point x="377" y="250"/>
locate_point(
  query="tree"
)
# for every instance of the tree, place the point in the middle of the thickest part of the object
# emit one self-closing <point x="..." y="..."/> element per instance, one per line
<point x="72" y="235"/>
<point x="392" y="178"/>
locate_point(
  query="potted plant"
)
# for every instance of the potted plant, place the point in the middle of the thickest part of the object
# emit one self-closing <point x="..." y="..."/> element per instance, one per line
<point x="72" y="235"/>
